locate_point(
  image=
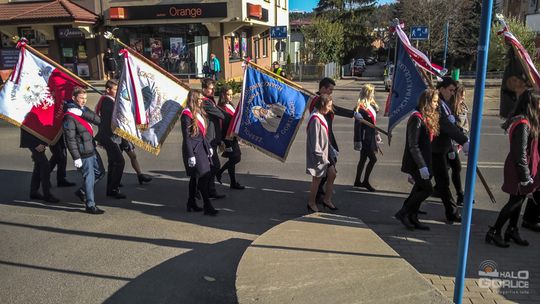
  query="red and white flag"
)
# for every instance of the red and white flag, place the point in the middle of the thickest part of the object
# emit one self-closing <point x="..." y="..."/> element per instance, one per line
<point x="33" y="96"/>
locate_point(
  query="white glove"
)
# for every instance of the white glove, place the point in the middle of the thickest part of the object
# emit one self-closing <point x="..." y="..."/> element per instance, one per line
<point x="357" y="145"/>
<point x="452" y="119"/>
<point x="528" y="182"/>
<point x="211" y="151"/>
<point x="452" y="155"/>
<point x="229" y="149"/>
<point x="75" y="111"/>
<point x="424" y="172"/>
<point x="378" y="138"/>
<point x="191" y="162"/>
<point x="358" y="116"/>
<point x="466" y="148"/>
<point x="41" y="148"/>
<point x="77" y="163"/>
<point x="410" y="179"/>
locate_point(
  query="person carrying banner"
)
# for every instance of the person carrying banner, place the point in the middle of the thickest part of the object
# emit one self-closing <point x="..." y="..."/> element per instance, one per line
<point x="326" y="86"/>
<point x="110" y="141"/>
<point x="232" y="149"/>
<point x="318" y="162"/>
<point x="197" y="152"/>
<point x="442" y="145"/>
<point x="129" y="148"/>
<point x="213" y="134"/>
<point x="41" y="172"/>
<point x="520" y="166"/>
<point x="422" y="126"/>
<point x="59" y="158"/>
<point x="366" y="139"/>
<point x="80" y="143"/>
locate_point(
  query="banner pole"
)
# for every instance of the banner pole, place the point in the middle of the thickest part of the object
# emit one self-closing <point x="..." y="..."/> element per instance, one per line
<point x="481" y="67"/>
<point x="110" y="36"/>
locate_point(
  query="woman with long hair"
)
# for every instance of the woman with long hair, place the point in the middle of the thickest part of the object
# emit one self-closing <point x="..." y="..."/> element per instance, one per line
<point x="422" y="126"/>
<point x="520" y="168"/>
<point x="366" y="139"/>
<point x="318" y="163"/>
<point x="232" y="149"/>
<point x="196" y="153"/>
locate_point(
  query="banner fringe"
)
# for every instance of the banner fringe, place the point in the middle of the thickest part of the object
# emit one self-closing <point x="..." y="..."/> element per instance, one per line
<point x="137" y="141"/>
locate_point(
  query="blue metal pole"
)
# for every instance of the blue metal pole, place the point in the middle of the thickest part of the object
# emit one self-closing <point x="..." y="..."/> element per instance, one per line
<point x="481" y="67"/>
<point x="446" y="25"/>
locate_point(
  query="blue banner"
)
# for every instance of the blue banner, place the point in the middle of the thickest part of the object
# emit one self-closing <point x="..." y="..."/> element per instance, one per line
<point x="269" y="113"/>
<point x="407" y="86"/>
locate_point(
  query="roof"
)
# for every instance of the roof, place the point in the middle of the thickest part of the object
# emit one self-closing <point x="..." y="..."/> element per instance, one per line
<point x="44" y="12"/>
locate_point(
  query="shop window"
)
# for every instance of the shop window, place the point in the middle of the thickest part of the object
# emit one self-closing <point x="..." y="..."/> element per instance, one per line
<point x="284" y="4"/>
<point x="6" y="41"/>
<point x="237" y="46"/>
<point x="265" y="46"/>
<point x="34" y="37"/>
<point x="278" y="3"/>
<point x="257" y="49"/>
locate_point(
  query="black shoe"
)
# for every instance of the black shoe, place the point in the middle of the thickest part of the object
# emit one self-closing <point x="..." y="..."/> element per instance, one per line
<point x="237" y="186"/>
<point x="530" y="225"/>
<point x="198" y="195"/>
<point x="65" y="183"/>
<point x="218" y="178"/>
<point x="435" y="193"/>
<point x="512" y="233"/>
<point x="51" y="199"/>
<point x="456" y="217"/>
<point x="143" y="178"/>
<point x="357" y="184"/>
<point x="116" y="194"/>
<point x="416" y="223"/>
<point x="209" y="209"/>
<point x="192" y="206"/>
<point x="459" y="199"/>
<point x="217" y="196"/>
<point x="81" y="195"/>
<point x="495" y="237"/>
<point x="329" y="207"/>
<point x="404" y="219"/>
<point x="94" y="210"/>
<point x="310" y="210"/>
<point x="36" y="196"/>
<point x="120" y="185"/>
<point x="422" y="212"/>
<point x="368" y="186"/>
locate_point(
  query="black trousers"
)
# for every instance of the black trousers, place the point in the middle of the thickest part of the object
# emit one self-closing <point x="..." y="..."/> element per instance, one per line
<point x="41" y="173"/>
<point x="199" y="183"/>
<point x="455" y="165"/>
<point x="59" y="158"/>
<point x="115" y="166"/>
<point x="214" y="168"/>
<point x="440" y="172"/>
<point x="510" y="212"/>
<point x="365" y="155"/>
<point x="421" y="190"/>
<point x="230" y="166"/>
<point x="532" y="210"/>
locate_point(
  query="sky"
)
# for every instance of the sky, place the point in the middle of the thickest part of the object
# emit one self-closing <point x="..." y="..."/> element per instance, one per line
<point x="308" y="5"/>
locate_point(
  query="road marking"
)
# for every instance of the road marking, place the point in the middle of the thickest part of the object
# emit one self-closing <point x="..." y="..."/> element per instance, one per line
<point x="147" y="204"/>
<point x="275" y="190"/>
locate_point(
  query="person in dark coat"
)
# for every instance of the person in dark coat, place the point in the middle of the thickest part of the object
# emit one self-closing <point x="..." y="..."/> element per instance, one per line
<point x="41" y="172"/>
<point x="197" y="152"/>
<point x="422" y="126"/>
<point x="531" y="216"/>
<point x="326" y="86"/>
<point x="110" y="141"/>
<point x="109" y="61"/>
<point x="59" y="160"/>
<point x="520" y="167"/>
<point x="80" y="143"/>
<point x="213" y="134"/>
<point x="231" y="147"/>
<point x="442" y="144"/>
<point x="366" y="139"/>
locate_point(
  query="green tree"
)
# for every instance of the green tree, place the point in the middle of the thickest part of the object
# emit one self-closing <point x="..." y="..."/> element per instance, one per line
<point x="325" y="39"/>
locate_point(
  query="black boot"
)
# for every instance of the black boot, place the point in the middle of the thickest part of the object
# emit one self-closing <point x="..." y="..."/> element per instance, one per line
<point x="403" y="217"/>
<point x="143" y="178"/>
<point x="366" y="185"/>
<point x="459" y="199"/>
<point x="413" y="218"/>
<point x="512" y="233"/>
<point x="192" y="206"/>
<point x="209" y="209"/>
<point x="495" y="236"/>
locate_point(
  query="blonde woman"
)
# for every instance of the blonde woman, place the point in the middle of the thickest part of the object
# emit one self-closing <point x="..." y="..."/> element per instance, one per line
<point x="422" y="126"/>
<point x="366" y="139"/>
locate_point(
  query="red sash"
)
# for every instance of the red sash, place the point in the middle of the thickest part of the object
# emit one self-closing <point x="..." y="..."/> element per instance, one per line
<point x="229" y="109"/>
<point x="83" y="122"/>
<point x="370" y="112"/>
<point x="100" y="104"/>
<point x="200" y="123"/>
<point x="320" y="117"/>
<point x="419" y="115"/>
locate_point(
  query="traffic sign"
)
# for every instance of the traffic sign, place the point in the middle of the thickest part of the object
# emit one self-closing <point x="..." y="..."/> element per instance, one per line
<point x="419" y="33"/>
<point x="278" y="32"/>
<point x="280" y="46"/>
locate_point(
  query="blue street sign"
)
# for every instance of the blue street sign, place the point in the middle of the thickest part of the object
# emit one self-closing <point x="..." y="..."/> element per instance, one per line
<point x="278" y="32"/>
<point x="419" y="33"/>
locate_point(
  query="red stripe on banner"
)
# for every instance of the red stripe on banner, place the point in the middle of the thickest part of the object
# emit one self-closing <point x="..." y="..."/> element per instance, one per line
<point x="20" y="64"/>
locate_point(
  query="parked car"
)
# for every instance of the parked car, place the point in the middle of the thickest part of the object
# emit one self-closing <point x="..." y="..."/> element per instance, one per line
<point x="359" y="67"/>
<point x="371" y="60"/>
<point x="389" y="75"/>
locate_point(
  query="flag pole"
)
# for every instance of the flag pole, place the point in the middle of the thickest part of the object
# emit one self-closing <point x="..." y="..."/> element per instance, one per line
<point x="110" y="36"/>
<point x="308" y="92"/>
<point x="58" y="66"/>
<point x="481" y="67"/>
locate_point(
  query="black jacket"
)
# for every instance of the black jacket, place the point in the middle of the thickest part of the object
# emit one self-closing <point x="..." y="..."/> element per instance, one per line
<point x="214" y="116"/>
<point x="197" y="147"/>
<point x="30" y="141"/>
<point x="519" y="147"/>
<point x="364" y="134"/>
<point x="417" y="152"/>
<point x="106" y="108"/>
<point x="79" y="141"/>
<point x="448" y="131"/>
<point x="233" y="143"/>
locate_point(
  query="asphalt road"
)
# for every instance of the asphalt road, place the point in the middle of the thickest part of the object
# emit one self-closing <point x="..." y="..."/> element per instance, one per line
<point x="148" y="249"/>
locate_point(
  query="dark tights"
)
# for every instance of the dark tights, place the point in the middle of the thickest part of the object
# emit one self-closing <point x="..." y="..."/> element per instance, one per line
<point x="510" y="211"/>
<point x="230" y="165"/>
<point x="202" y="184"/>
<point x="455" y="165"/>
<point x="364" y="155"/>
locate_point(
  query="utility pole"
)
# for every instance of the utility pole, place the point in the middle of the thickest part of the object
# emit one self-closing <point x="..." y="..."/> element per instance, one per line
<point x="446" y="25"/>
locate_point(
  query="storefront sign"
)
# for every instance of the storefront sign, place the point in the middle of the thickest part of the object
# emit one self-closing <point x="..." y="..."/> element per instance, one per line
<point x="8" y="58"/>
<point x="70" y="33"/>
<point x="254" y="10"/>
<point x="176" y="11"/>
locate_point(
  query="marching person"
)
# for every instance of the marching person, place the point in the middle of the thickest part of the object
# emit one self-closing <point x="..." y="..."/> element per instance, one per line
<point x="80" y="143"/>
<point x="59" y="158"/>
<point x="129" y="148"/>
<point x="422" y="126"/>
<point x="232" y="149"/>
<point x="318" y="160"/>
<point x="41" y="172"/>
<point x="442" y="144"/>
<point x="531" y="216"/>
<point x="520" y="166"/>
<point x="366" y="139"/>
<point x="110" y="141"/>
<point x="213" y="133"/>
<point x="197" y="153"/>
<point x="326" y="86"/>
